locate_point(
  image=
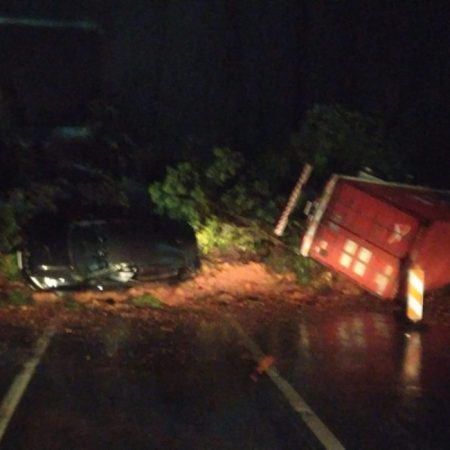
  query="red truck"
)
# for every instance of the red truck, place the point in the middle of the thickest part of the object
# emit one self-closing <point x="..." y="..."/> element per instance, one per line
<point x="373" y="231"/>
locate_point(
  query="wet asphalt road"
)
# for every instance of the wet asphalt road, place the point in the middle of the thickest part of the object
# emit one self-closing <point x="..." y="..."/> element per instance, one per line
<point x="375" y="382"/>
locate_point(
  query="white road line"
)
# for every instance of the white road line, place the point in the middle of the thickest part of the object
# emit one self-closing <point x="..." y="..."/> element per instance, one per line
<point x="20" y="383"/>
<point x="320" y="430"/>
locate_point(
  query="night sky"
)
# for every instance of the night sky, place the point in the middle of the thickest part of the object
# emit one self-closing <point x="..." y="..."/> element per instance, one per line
<point x="236" y="72"/>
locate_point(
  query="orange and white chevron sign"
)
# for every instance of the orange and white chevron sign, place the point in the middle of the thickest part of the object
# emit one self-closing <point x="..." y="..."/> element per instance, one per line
<point x="416" y="287"/>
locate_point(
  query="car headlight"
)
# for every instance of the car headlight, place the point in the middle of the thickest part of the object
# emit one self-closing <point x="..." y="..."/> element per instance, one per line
<point x="48" y="282"/>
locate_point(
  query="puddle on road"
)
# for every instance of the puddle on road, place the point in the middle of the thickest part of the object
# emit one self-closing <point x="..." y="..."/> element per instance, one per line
<point x="347" y="348"/>
<point x="368" y="371"/>
<point x="355" y="345"/>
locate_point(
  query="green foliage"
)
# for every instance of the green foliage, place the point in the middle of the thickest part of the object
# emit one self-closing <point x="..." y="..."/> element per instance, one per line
<point x="335" y="139"/>
<point x="283" y="260"/>
<point x="215" y="234"/>
<point x="180" y="195"/>
<point x="193" y="191"/>
<point x="9" y="228"/>
<point x="305" y="269"/>
<point x="288" y="259"/>
<point x="219" y="199"/>
<point x="8" y="267"/>
<point x="20" y="206"/>
<point x="225" y="166"/>
<point x="34" y="178"/>
<point x="252" y="199"/>
<point x="147" y="301"/>
<point x="18" y="297"/>
<point x="24" y="203"/>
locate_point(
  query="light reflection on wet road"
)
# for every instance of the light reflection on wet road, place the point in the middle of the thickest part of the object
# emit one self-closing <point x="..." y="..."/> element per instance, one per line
<point x="375" y="382"/>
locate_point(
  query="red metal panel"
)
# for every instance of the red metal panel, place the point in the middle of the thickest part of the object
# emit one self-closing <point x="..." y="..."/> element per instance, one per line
<point x="418" y="201"/>
<point x="433" y="255"/>
<point x="372" y="219"/>
<point x="366" y="264"/>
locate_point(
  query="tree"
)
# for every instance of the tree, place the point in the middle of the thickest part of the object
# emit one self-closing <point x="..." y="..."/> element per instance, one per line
<point x="337" y="140"/>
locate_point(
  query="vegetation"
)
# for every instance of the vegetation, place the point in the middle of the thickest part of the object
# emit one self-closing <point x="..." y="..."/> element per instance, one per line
<point x="338" y="140"/>
<point x="226" y="207"/>
<point x="147" y="301"/>
<point x="233" y="205"/>
<point x="232" y="211"/>
<point x="9" y="229"/>
<point x="17" y="297"/>
<point x="231" y="199"/>
<point x="8" y="267"/>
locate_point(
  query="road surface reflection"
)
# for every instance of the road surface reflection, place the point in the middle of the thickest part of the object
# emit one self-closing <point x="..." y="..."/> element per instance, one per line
<point x="375" y="380"/>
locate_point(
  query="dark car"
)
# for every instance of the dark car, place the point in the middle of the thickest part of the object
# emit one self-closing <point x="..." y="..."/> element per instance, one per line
<point x="61" y="254"/>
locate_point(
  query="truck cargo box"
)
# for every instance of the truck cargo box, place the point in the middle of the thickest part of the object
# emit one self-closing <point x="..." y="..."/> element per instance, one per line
<point x="373" y="231"/>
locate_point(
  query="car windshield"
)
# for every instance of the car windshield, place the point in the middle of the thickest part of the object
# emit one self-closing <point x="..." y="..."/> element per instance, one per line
<point x="87" y="247"/>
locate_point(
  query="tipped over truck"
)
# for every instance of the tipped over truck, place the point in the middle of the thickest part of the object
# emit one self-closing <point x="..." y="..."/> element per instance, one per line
<point x="374" y="231"/>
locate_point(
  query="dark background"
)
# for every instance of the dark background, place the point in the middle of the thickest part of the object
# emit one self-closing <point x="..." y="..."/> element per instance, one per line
<point x="234" y="72"/>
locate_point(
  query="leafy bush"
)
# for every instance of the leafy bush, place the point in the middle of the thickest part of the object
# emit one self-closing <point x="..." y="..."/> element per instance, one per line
<point x="225" y="166"/>
<point x="20" y="205"/>
<point x="180" y="195"/>
<point x="8" y="267"/>
<point x="287" y="259"/>
<point x="219" y="199"/>
<point x="215" y="234"/>
<point x="306" y="269"/>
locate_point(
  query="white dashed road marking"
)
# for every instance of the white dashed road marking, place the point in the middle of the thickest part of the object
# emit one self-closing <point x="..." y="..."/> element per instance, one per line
<point x="20" y="383"/>
<point x="320" y="430"/>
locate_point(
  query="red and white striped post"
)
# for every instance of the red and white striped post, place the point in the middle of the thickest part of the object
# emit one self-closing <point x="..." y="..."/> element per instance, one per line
<point x="416" y="287"/>
<point x="281" y="225"/>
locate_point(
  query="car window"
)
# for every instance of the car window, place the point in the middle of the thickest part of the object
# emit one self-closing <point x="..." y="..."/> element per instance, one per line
<point x="87" y="247"/>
